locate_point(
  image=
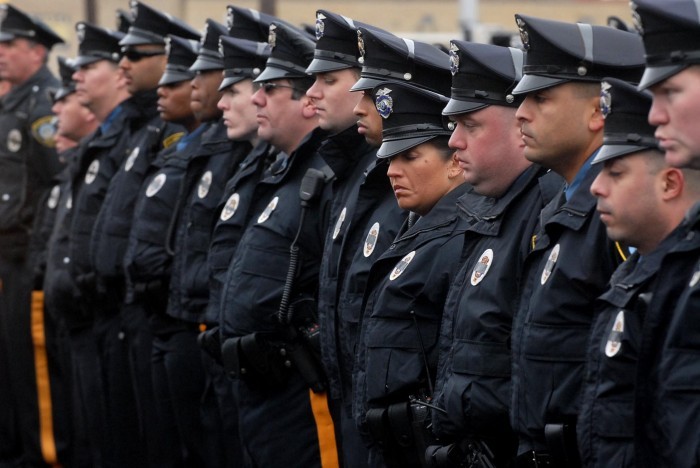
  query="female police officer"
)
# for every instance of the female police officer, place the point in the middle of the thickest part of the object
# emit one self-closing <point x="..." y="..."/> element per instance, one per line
<point x="408" y="284"/>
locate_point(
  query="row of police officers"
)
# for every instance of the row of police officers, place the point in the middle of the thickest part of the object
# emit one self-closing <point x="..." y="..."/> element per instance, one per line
<point x="257" y="245"/>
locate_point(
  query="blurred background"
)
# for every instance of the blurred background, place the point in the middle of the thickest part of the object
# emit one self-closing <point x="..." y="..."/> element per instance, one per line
<point x="434" y="21"/>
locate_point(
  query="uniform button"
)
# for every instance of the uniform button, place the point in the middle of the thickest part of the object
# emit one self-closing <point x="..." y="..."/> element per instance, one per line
<point x="5" y="196"/>
<point x="690" y="235"/>
<point x="66" y="260"/>
<point x="121" y="336"/>
<point x="392" y="247"/>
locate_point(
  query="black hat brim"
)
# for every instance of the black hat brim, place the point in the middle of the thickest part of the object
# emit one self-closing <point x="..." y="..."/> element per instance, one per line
<point x="391" y="148"/>
<point x="83" y="60"/>
<point x="133" y="39"/>
<point x="62" y="93"/>
<point x="6" y="37"/>
<point x="365" y="83"/>
<point x="608" y="152"/>
<point x="323" y="66"/>
<point x="230" y="81"/>
<point x="531" y="83"/>
<point x="174" y="76"/>
<point x="655" y="75"/>
<point x="204" y="63"/>
<point x="456" y="106"/>
<point x="275" y="73"/>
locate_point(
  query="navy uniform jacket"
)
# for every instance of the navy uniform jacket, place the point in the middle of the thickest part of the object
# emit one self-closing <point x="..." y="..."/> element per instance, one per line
<point x="147" y="134"/>
<point x="233" y="214"/>
<point x="362" y="202"/>
<point x="148" y="259"/>
<point x="473" y="383"/>
<point x="212" y="164"/>
<point x="257" y="273"/>
<point x="59" y="287"/>
<point x="28" y="160"/>
<point x="568" y="268"/>
<point x="605" y="426"/>
<point x="98" y="161"/>
<point x="667" y="400"/>
<point x="408" y="288"/>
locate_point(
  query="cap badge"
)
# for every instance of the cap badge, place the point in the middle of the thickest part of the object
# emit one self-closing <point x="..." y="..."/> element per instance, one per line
<point x="205" y="32"/>
<point x="454" y="59"/>
<point x="221" y="47"/>
<point x="272" y="36"/>
<point x="229" y="17"/>
<point x="384" y="103"/>
<point x="134" y="7"/>
<point x="361" y="46"/>
<point x="605" y="99"/>
<point x="524" y="36"/>
<point x="636" y="18"/>
<point x="168" y="47"/>
<point x="3" y="12"/>
<point x="320" y="25"/>
<point x="371" y="240"/>
<point x="80" y="32"/>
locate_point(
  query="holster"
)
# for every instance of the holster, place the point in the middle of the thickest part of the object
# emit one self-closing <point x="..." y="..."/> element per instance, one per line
<point x="562" y="445"/>
<point x="256" y="358"/>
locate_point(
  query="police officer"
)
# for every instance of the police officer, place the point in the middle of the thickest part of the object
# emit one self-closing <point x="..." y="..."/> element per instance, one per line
<point x="29" y="162"/>
<point x="562" y="128"/>
<point x="356" y="197"/>
<point x="473" y="383"/>
<point x="408" y="283"/>
<point x="244" y="59"/>
<point x="99" y="87"/>
<point x="148" y="258"/>
<point x="272" y="394"/>
<point x="634" y="186"/>
<point x="75" y="122"/>
<point x="666" y="396"/>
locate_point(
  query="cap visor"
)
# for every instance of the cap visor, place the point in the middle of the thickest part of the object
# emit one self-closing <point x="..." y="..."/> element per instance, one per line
<point x="364" y="83"/>
<point x="531" y="83"/>
<point x="230" y="81"/>
<point x="172" y="77"/>
<point x="6" y="37"/>
<point x="393" y="147"/>
<point x="205" y="63"/>
<point x="323" y="66"/>
<point x="456" y="106"/>
<point x="615" y="151"/>
<point x="62" y="92"/>
<point x="274" y="73"/>
<point x="136" y="39"/>
<point x="82" y="60"/>
<point x="655" y="75"/>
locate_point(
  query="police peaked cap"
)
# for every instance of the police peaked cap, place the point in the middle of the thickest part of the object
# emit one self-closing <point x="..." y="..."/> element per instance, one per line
<point x="336" y="43"/>
<point x="410" y="115"/>
<point x="243" y="59"/>
<point x="627" y="129"/>
<point x="209" y="57"/>
<point x="671" y="33"/>
<point x="66" y="68"/>
<point x="386" y="57"/>
<point x="246" y="23"/>
<point x="152" y="26"/>
<point x="483" y="75"/>
<point x="182" y="53"/>
<point x="559" y="52"/>
<point x="124" y="21"/>
<point x="291" y="51"/>
<point x="16" y="23"/>
<point x="96" y="43"/>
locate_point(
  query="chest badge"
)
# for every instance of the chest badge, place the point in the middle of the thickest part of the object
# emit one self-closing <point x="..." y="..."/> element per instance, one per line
<point x="339" y="223"/>
<point x="131" y="159"/>
<point x="549" y="266"/>
<point x="265" y="215"/>
<point x="402" y="265"/>
<point x="204" y="185"/>
<point x="52" y="202"/>
<point x="371" y="240"/>
<point x="230" y="207"/>
<point x="69" y="202"/>
<point x="92" y="171"/>
<point x="614" y="344"/>
<point x="14" y="140"/>
<point x="696" y="277"/>
<point x="482" y="267"/>
<point x="155" y="185"/>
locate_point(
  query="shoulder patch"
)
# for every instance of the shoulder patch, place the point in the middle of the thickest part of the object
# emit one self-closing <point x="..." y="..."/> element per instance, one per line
<point x="170" y="140"/>
<point x="44" y="130"/>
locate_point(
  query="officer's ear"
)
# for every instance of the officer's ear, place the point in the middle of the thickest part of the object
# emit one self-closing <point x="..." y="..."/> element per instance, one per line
<point x="596" y="121"/>
<point x="308" y="109"/>
<point x="672" y="182"/>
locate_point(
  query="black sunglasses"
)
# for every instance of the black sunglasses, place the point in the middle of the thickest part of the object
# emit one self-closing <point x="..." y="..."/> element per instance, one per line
<point x="270" y="87"/>
<point x="134" y="55"/>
